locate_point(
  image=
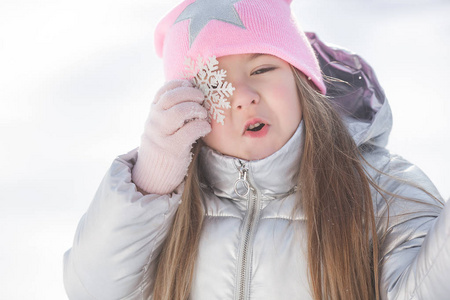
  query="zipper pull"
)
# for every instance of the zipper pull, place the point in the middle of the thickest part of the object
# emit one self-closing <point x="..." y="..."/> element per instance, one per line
<point x="241" y="185"/>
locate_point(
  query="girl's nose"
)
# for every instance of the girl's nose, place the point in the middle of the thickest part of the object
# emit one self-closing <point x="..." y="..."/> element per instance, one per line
<point x="244" y="96"/>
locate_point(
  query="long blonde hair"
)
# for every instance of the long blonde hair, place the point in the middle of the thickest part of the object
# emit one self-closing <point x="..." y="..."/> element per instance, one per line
<point x="177" y="258"/>
<point x="336" y="199"/>
<point x="337" y="202"/>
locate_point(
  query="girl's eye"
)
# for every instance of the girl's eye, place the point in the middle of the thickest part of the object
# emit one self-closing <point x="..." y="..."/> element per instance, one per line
<point x="262" y="70"/>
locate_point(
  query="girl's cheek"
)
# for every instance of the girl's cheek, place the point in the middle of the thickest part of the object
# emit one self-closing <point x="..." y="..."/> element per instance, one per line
<point x="220" y="129"/>
<point x="215" y="130"/>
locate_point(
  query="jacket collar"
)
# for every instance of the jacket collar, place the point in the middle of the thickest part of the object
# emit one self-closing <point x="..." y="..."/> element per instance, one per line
<point x="273" y="176"/>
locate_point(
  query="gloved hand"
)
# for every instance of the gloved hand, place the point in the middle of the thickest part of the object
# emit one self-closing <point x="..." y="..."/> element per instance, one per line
<point x="176" y="120"/>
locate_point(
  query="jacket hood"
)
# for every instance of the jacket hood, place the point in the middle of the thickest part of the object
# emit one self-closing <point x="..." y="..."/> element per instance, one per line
<point x="356" y="93"/>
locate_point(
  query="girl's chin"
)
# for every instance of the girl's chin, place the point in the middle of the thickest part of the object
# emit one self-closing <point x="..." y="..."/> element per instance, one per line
<point x="257" y="154"/>
<point x="252" y="151"/>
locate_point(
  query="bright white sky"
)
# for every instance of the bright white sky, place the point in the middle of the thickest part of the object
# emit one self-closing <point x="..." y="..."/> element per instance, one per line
<point x="77" y="79"/>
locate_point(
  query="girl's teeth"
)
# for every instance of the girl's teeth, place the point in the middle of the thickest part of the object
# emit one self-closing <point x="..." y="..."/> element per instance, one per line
<point x="254" y="125"/>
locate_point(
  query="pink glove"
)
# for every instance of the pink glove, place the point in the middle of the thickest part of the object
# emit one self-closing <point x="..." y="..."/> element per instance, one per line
<point x="176" y="120"/>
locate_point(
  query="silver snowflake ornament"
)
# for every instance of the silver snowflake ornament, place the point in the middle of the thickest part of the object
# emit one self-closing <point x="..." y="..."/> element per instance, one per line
<point x="206" y="76"/>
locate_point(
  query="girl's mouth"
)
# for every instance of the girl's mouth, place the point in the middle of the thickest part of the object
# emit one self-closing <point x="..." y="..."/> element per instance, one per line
<point x="256" y="127"/>
<point x="257" y="130"/>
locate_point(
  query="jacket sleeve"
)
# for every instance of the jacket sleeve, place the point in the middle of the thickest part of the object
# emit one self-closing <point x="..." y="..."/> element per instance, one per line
<point x="415" y="235"/>
<point x="118" y="238"/>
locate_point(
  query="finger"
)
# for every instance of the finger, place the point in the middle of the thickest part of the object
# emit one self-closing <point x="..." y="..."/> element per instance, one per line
<point x="170" y="85"/>
<point x="174" y="118"/>
<point x="180" y="94"/>
<point x="191" y="132"/>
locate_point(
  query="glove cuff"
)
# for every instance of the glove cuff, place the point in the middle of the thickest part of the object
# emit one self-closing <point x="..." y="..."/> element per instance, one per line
<point x="158" y="172"/>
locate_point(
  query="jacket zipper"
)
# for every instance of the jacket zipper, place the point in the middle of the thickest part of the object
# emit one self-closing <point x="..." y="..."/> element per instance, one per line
<point x="250" y="222"/>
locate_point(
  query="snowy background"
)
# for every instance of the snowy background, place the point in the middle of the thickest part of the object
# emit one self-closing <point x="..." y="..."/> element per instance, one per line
<point x="77" y="79"/>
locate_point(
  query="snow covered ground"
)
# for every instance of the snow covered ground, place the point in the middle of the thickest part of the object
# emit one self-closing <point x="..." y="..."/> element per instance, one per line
<point x="77" y="79"/>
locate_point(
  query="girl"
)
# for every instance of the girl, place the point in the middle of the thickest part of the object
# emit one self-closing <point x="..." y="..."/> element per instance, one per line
<point x="264" y="184"/>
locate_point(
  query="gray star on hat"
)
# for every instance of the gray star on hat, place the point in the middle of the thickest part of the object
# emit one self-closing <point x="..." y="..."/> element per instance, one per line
<point x="202" y="11"/>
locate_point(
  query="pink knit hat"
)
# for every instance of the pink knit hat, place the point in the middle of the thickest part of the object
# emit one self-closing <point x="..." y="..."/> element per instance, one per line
<point x="223" y="27"/>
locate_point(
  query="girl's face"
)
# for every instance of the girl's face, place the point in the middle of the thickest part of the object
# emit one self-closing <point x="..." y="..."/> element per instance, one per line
<point x="265" y="108"/>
